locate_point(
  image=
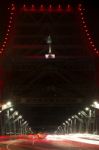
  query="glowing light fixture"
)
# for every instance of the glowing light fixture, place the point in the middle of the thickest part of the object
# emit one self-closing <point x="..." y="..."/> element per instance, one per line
<point x="49" y="55"/>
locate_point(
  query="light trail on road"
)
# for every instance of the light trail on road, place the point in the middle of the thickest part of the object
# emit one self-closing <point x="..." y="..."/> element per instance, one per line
<point x="61" y="142"/>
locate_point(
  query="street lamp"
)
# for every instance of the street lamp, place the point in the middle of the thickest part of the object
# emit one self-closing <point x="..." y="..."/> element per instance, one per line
<point x="64" y="128"/>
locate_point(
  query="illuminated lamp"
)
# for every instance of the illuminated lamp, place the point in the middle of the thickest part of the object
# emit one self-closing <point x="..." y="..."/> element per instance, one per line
<point x="79" y="7"/>
<point x="82" y="18"/>
<point x="33" y="7"/>
<point x="83" y="22"/>
<point x="2" y="49"/>
<point x="12" y="4"/>
<point x="10" y="22"/>
<point x="59" y="8"/>
<point x="42" y="7"/>
<point x="5" y="42"/>
<point x="89" y="38"/>
<point x="6" y="38"/>
<point x="81" y="14"/>
<point x="95" y="49"/>
<point x="8" y="30"/>
<point x="9" y="26"/>
<point x="50" y="55"/>
<point x="97" y="52"/>
<point x="13" y="8"/>
<point x="11" y="18"/>
<point x="50" y="7"/>
<point x="86" y="30"/>
<point x="91" y="42"/>
<point x="3" y="45"/>
<point x="93" y="45"/>
<point x="24" y="8"/>
<point x="87" y="34"/>
<point x="0" y="52"/>
<point x="85" y="26"/>
<point x="69" y="8"/>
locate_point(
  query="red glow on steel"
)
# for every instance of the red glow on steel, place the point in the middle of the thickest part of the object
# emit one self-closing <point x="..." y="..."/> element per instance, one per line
<point x="85" y="26"/>
<point x="24" y="8"/>
<point x="59" y="8"/>
<point x="83" y="22"/>
<point x="42" y="8"/>
<point x="87" y="34"/>
<point x="10" y="18"/>
<point x="79" y="7"/>
<point x="91" y="42"/>
<point x="69" y="8"/>
<point x="50" y="8"/>
<point x="10" y="22"/>
<point x="86" y="30"/>
<point x="93" y="45"/>
<point x="33" y="8"/>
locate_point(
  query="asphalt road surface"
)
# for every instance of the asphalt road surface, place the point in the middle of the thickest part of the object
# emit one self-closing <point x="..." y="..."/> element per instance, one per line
<point x="22" y="144"/>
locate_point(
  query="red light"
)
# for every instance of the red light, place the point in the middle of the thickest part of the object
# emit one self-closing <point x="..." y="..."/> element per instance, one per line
<point x="3" y="45"/>
<point x="50" y="8"/>
<point x="95" y="49"/>
<point x="42" y="8"/>
<point x="69" y="8"/>
<point x="5" y="42"/>
<point x="10" y="18"/>
<point x="81" y="13"/>
<point x="83" y="22"/>
<point x="91" y="42"/>
<point x="82" y="18"/>
<point x="8" y="30"/>
<point x="13" y="8"/>
<point x="11" y="13"/>
<point x="85" y="26"/>
<point x="79" y="7"/>
<point x="89" y="38"/>
<point x="97" y="52"/>
<point x="93" y="45"/>
<point x="24" y="8"/>
<point x="10" y="22"/>
<point x="59" y="8"/>
<point x="12" y="5"/>
<point x="87" y="34"/>
<point x="86" y="30"/>
<point x="2" y="49"/>
<point x="33" y="7"/>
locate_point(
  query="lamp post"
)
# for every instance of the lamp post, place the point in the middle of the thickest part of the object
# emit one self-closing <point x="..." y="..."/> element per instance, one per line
<point x="67" y="127"/>
<point x="5" y="118"/>
<point x="64" y="126"/>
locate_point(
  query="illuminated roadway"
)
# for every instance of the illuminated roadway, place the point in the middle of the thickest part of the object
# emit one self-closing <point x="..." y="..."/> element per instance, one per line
<point x="49" y="144"/>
